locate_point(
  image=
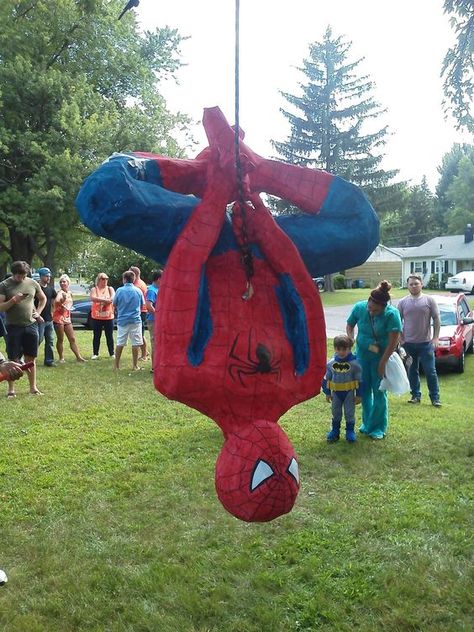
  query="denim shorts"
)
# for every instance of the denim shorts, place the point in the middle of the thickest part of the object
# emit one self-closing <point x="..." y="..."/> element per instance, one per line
<point x="22" y="340"/>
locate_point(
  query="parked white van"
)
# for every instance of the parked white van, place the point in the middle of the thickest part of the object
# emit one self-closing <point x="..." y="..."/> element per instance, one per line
<point x="461" y="282"/>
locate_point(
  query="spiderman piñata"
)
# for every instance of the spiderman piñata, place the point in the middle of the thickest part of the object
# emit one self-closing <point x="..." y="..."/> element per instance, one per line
<point x="241" y="347"/>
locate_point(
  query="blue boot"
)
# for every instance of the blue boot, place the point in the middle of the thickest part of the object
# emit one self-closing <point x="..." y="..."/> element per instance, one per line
<point x="350" y="434"/>
<point x="333" y="435"/>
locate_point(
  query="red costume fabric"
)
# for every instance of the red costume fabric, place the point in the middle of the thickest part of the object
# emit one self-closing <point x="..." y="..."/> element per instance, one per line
<point x="241" y="354"/>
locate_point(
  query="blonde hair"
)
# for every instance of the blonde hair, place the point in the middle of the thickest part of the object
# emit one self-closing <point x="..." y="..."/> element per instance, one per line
<point x="64" y="277"/>
<point x="100" y="276"/>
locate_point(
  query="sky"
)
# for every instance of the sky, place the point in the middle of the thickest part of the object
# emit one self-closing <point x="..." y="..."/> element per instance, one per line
<point x="403" y="44"/>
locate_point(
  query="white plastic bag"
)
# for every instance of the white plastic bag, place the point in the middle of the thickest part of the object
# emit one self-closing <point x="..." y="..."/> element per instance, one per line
<point x="395" y="380"/>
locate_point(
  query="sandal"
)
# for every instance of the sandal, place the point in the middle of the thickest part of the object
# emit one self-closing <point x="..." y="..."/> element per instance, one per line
<point x="37" y="392"/>
<point x="11" y="395"/>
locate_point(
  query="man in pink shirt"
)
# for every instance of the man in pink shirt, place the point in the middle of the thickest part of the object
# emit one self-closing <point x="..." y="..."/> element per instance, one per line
<point x="418" y="311"/>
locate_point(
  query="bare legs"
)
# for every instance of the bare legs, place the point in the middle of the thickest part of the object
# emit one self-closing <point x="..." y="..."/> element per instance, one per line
<point x="118" y="355"/>
<point x="69" y="331"/>
<point x="31" y="378"/>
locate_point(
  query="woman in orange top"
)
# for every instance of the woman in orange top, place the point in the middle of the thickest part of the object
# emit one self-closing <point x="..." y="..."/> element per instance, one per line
<point x="62" y="320"/>
<point x="102" y="314"/>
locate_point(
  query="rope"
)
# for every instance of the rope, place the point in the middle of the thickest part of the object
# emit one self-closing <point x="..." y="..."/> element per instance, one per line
<point x="246" y="254"/>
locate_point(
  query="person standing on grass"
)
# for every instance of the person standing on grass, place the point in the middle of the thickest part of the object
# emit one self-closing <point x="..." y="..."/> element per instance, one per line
<point x="417" y="311"/>
<point x="128" y="302"/>
<point x="46" y="328"/>
<point x="17" y="295"/>
<point x="378" y="333"/>
<point x="151" y="299"/>
<point x="62" y="320"/>
<point x="141" y="285"/>
<point x="342" y="387"/>
<point x="102" y="314"/>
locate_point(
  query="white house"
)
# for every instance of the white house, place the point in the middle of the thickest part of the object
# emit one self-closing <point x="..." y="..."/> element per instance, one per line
<point x="448" y="254"/>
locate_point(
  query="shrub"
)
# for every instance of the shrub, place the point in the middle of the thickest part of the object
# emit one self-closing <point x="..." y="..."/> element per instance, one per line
<point x="339" y="281"/>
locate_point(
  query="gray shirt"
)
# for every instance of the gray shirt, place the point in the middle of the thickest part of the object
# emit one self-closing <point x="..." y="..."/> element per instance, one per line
<point x="417" y="313"/>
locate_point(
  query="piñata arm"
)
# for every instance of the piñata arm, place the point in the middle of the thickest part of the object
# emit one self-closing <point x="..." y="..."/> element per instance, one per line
<point x="184" y="282"/>
<point x="299" y="300"/>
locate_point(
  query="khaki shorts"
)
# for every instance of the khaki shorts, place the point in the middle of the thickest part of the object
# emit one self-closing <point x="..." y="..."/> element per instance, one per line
<point x="132" y="331"/>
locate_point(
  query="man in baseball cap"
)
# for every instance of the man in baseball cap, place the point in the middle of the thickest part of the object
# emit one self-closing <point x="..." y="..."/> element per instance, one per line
<point x="46" y="328"/>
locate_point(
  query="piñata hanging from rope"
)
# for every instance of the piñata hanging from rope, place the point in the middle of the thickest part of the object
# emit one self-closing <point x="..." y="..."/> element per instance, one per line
<point x="240" y="344"/>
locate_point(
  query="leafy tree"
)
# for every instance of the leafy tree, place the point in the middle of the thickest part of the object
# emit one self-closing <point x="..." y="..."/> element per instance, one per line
<point x="334" y="127"/>
<point x="75" y="85"/>
<point x="461" y="194"/>
<point x="458" y="64"/>
<point x="101" y="255"/>
<point x="448" y="170"/>
<point x="416" y="222"/>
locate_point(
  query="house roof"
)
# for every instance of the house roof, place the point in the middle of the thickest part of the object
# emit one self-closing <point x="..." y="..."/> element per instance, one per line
<point x="402" y="252"/>
<point x="444" y="247"/>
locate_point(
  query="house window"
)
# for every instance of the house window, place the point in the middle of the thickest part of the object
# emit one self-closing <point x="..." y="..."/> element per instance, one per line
<point x="417" y="267"/>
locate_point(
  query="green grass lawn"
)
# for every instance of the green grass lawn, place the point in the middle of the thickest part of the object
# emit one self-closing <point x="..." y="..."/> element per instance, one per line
<point x="109" y="520"/>
<point x="349" y="297"/>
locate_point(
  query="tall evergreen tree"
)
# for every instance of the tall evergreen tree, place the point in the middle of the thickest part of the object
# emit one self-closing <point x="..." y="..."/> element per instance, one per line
<point x="334" y="125"/>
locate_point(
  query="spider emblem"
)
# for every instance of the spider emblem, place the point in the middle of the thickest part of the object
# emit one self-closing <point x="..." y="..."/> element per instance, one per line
<point x="263" y="361"/>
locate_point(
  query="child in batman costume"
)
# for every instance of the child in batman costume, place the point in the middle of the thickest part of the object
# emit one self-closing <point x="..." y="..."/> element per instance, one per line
<point x="342" y="386"/>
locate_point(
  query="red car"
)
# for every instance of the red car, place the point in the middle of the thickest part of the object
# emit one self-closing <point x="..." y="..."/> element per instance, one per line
<point x="456" y="333"/>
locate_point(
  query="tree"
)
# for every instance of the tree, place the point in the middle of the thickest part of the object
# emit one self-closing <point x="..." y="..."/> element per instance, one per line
<point x="448" y="170"/>
<point x="416" y="222"/>
<point x="334" y="127"/>
<point x="458" y="64"/>
<point x="102" y="255"/>
<point x="75" y="85"/>
<point x="461" y="194"/>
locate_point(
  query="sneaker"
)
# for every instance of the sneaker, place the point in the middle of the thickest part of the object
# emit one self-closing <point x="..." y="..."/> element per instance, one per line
<point x="436" y="403"/>
<point x="351" y="436"/>
<point x="332" y="436"/>
<point x="95" y="357"/>
<point x="50" y="364"/>
<point x="414" y="400"/>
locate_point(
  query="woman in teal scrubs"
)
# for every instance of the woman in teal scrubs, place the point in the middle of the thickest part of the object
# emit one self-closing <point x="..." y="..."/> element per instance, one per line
<point x="378" y="333"/>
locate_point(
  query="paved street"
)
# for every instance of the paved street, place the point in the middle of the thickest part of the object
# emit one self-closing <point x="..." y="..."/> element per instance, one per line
<point x="336" y="318"/>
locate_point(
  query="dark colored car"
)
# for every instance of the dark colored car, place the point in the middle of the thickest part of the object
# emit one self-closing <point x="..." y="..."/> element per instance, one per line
<point x="81" y="314"/>
<point x="456" y="333"/>
<point x="319" y="283"/>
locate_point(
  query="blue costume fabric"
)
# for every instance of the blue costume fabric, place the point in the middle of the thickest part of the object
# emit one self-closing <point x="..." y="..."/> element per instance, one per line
<point x="374" y="401"/>
<point x="127" y="193"/>
<point x="343" y="381"/>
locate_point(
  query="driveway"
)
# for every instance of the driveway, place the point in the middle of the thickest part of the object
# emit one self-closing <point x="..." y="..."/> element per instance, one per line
<point x="336" y="318"/>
